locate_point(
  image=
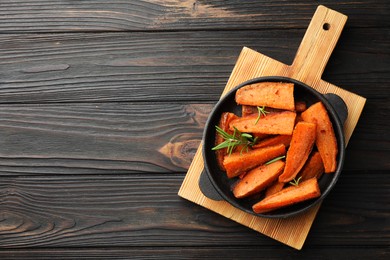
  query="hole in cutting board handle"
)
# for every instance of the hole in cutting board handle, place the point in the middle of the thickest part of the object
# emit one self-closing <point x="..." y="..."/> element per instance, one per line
<point x="326" y="26"/>
<point x="317" y="45"/>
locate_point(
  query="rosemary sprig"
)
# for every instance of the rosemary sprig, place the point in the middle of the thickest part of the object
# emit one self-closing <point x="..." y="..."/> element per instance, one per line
<point x="275" y="159"/>
<point x="260" y="111"/>
<point x="295" y="182"/>
<point x="234" y="140"/>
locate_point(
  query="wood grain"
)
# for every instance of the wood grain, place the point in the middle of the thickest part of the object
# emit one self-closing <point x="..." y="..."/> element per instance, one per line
<point x="99" y="138"/>
<point x="121" y="67"/>
<point x="144" y="210"/>
<point x="74" y="76"/>
<point x="146" y="15"/>
<point x="232" y="252"/>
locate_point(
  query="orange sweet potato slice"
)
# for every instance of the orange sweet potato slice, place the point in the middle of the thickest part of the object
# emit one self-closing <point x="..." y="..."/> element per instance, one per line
<point x="288" y="196"/>
<point x="258" y="179"/>
<point x="271" y="94"/>
<point x="325" y="137"/>
<point x="302" y="143"/>
<point x="313" y="167"/>
<point x="274" y="188"/>
<point x="226" y="117"/>
<point x="300" y="106"/>
<point x="248" y="110"/>
<point x="274" y="140"/>
<point x="259" y="136"/>
<point x="273" y="123"/>
<point x="239" y="162"/>
<point x="298" y="118"/>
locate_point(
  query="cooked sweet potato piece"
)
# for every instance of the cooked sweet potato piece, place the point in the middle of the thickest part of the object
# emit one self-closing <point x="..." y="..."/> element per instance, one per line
<point x="313" y="167"/>
<point x="239" y="162"/>
<point x="242" y="175"/>
<point x="260" y="136"/>
<point x="288" y="196"/>
<point x="269" y="94"/>
<point x="274" y="140"/>
<point x="274" y="188"/>
<point x="298" y="118"/>
<point x="258" y="179"/>
<point x="273" y="123"/>
<point x="251" y="110"/>
<point x="226" y="117"/>
<point x="302" y="143"/>
<point x="325" y="137"/>
<point x="248" y="110"/>
<point x="300" y="106"/>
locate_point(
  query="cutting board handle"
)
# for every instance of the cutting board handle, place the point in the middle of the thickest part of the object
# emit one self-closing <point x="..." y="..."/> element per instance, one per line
<point x="317" y="45"/>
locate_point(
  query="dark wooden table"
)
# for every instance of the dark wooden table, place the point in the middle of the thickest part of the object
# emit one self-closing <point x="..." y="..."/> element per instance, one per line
<point x="102" y="107"/>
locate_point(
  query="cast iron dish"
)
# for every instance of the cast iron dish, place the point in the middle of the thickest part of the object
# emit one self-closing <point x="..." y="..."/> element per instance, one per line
<point x="214" y="182"/>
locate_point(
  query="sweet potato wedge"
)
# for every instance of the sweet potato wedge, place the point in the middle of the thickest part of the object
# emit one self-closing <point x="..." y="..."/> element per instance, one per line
<point x="274" y="140"/>
<point x="270" y="94"/>
<point x="260" y="136"/>
<point x="239" y="162"/>
<point x="288" y="196"/>
<point x="258" y="179"/>
<point x="313" y="167"/>
<point x="300" y="106"/>
<point x="226" y="117"/>
<point x="302" y="143"/>
<point x="273" y="123"/>
<point x="298" y="118"/>
<point x="248" y="110"/>
<point x="325" y="137"/>
<point x="274" y="188"/>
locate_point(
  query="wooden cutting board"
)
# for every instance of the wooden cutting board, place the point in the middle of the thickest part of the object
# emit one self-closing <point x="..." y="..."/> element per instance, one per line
<point x="312" y="56"/>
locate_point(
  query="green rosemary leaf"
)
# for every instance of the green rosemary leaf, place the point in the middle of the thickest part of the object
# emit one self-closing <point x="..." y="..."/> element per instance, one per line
<point x="260" y="111"/>
<point x="247" y="135"/>
<point x="222" y="145"/>
<point x="223" y="133"/>
<point x="295" y="182"/>
<point x="234" y="140"/>
<point x="275" y="159"/>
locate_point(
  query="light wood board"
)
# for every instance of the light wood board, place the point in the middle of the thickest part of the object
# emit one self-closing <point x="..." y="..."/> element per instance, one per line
<point x="316" y="47"/>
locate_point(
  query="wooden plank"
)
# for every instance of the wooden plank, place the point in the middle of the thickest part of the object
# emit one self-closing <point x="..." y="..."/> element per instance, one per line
<point x="148" y="15"/>
<point x="127" y="67"/>
<point x="231" y="252"/>
<point x="144" y="210"/>
<point x="102" y="138"/>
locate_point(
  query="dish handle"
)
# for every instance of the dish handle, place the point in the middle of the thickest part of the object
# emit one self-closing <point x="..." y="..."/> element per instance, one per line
<point x="207" y="188"/>
<point x="339" y="106"/>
